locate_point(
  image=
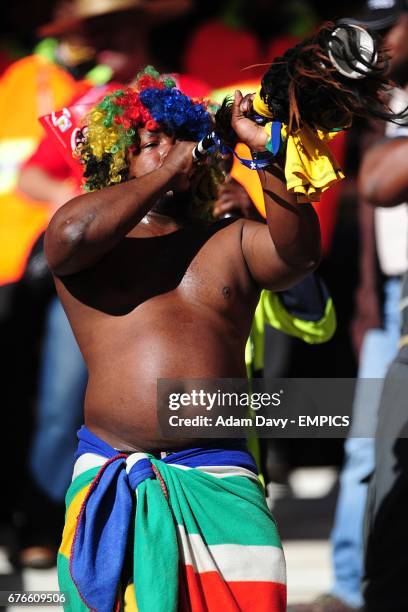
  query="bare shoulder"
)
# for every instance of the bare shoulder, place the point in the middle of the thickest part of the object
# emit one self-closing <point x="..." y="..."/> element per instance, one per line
<point x="233" y="230"/>
<point x="229" y="226"/>
<point x="256" y="239"/>
<point x="224" y="254"/>
<point x="226" y="237"/>
<point x="235" y="236"/>
<point x="266" y="267"/>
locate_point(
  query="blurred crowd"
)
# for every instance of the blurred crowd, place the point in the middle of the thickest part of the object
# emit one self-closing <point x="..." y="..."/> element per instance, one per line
<point x="69" y="52"/>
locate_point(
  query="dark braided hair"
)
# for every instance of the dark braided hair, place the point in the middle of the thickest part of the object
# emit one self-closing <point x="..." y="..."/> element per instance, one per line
<point x="305" y="86"/>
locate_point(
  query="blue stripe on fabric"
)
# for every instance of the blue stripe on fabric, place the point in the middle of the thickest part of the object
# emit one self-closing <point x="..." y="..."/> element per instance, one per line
<point x="235" y="453"/>
<point x="90" y="443"/>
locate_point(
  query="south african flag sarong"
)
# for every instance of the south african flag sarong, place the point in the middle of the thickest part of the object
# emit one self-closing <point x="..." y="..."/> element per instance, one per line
<point x="189" y="532"/>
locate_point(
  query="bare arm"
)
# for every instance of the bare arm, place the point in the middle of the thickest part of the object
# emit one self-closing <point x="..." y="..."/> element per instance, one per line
<point x="90" y="225"/>
<point x="383" y="178"/>
<point x="366" y="302"/>
<point x="288" y="248"/>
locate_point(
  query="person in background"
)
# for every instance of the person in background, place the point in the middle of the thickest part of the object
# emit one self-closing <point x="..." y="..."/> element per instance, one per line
<point x="376" y="327"/>
<point x="384" y="184"/>
<point x="30" y="87"/>
<point x="385" y="585"/>
<point x="58" y="70"/>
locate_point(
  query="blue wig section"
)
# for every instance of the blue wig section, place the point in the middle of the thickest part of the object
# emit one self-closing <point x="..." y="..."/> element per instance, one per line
<point x="177" y="111"/>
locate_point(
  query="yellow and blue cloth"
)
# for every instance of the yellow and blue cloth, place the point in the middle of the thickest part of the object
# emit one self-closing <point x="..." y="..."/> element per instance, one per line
<point x="310" y="167"/>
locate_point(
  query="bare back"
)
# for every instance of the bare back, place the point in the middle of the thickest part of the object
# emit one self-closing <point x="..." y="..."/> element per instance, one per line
<point x="177" y="305"/>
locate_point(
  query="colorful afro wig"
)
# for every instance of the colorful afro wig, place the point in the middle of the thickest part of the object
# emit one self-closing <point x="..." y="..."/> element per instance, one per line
<point x="154" y="102"/>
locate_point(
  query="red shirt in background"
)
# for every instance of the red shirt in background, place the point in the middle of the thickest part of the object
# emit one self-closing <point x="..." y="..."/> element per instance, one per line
<point x="218" y="54"/>
<point x="49" y="158"/>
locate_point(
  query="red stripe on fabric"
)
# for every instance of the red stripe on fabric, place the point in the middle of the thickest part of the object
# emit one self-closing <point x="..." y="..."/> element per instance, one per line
<point x="208" y="592"/>
<point x="259" y="596"/>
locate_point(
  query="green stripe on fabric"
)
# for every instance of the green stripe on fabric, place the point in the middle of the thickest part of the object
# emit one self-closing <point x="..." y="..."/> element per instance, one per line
<point x="230" y="510"/>
<point x="79" y="483"/>
<point x="74" y="602"/>
<point x="156" y="554"/>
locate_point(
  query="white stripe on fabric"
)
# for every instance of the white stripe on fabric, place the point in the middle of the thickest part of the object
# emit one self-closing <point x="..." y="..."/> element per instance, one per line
<point x="134" y="458"/>
<point x="92" y="460"/>
<point x="223" y="471"/>
<point x="235" y="562"/>
<point x="220" y="471"/>
<point x="87" y="462"/>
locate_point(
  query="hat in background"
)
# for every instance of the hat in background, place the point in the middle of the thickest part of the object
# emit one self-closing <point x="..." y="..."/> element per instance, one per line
<point x="75" y="12"/>
<point x="380" y="14"/>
